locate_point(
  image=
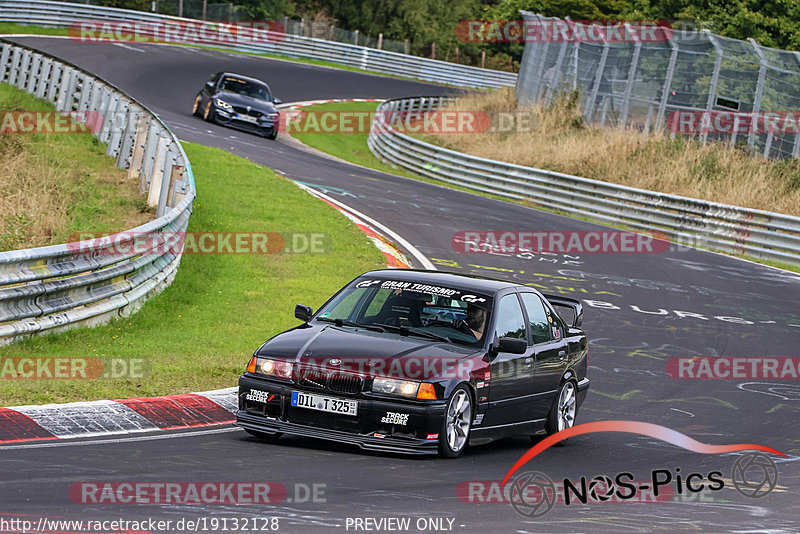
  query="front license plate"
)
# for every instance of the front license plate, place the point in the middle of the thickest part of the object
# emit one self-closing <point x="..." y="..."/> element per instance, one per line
<point x="246" y="118"/>
<point x="324" y="404"/>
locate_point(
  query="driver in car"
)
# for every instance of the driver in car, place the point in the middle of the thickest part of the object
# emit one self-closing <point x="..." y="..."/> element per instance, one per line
<point x="476" y="320"/>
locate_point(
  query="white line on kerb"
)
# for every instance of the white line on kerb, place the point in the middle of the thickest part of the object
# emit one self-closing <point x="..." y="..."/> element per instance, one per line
<point x="65" y="443"/>
<point x="414" y="251"/>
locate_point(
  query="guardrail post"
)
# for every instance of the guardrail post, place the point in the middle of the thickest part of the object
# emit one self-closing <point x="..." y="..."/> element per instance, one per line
<point x="136" y="164"/>
<point x="662" y="106"/>
<point x="626" y="102"/>
<point x="109" y="118"/>
<point x="712" y="89"/>
<point x="119" y="124"/>
<point x="5" y="53"/>
<point x="22" y="75"/>
<point x="56" y="72"/>
<point x="64" y="102"/>
<point x="762" y="72"/>
<point x="16" y="57"/>
<point x="44" y="77"/>
<point x="86" y="90"/>
<point x="157" y="175"/>
<point x="149" y="156"/>
<point x="34" y="75"/>
<point x="175" y="177"/>
<point x="128" y="138"/>
<point x="166" y="181"/>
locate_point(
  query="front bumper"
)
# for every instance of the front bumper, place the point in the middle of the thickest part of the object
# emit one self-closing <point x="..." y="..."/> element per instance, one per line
<point x="226" y="117"/>
<point x="366" y="430"/>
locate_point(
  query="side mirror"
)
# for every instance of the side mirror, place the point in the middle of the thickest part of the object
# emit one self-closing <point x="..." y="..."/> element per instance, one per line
<point x="277" y="101"/>
<point x="512" y="345"/>
<point x="303" y="313"/>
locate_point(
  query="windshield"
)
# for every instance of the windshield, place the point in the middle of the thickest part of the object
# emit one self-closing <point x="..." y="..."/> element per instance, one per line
<point x="412" y="308"/>
<point x="259" y="91"/>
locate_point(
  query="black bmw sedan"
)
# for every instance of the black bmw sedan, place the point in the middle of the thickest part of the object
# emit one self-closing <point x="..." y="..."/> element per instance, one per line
<point x="420" y="362"/>
<point x="239" y="102"/>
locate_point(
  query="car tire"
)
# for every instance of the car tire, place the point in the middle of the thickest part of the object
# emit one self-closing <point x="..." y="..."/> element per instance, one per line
<point x="458" y="413"/>
<point x="273" y="134"/>
<point x="565" y="409"/>
<point x="196" y="106"/>
<point x="264" y="436"/>
<point x="209" y="114"/>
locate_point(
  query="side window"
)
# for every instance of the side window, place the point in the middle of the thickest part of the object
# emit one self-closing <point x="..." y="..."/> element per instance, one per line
<point x="538" y="318"/>
<point x="510" y="321"/>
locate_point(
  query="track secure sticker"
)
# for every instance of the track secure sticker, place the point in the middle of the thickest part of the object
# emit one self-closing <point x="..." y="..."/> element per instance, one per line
<point x="256" y="395"/>
<point x="394" y="418"/>
<point x="478" y="419"/>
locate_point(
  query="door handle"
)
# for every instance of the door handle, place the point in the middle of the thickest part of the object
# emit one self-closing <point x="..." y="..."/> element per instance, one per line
<point x="562" y="355"/>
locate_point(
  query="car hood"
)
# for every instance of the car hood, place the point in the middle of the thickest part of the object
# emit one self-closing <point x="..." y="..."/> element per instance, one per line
<point x="235" y="99"/>
<point x="371" y="353"/>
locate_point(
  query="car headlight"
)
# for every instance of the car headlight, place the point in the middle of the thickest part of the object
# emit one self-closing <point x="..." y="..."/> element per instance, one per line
<point x="222" y="104"/>
<point x="272" y="116"/>
<point x="269" y="367"/>
<point x="391" y="386"/>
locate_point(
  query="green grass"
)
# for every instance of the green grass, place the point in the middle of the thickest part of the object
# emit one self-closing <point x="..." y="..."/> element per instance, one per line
<point x="200" y="332"/>
<point x="53" y="185"/>
<point x="7" y="27"/>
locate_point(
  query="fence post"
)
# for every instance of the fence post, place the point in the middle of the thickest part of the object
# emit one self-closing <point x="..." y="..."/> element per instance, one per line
<point x="406" y="49"/>
<point x="712" y="89"/>
<point x="588" y="112"/>
<point x="762" y="72"/>
<point x="136" y="164"/>
<point x="626" y="102"/>
<point x="556" y="83"/>
<point x="662" y="106"/>
<point x="380" y="41"/>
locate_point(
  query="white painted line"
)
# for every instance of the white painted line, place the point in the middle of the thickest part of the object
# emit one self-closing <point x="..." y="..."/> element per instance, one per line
<point x="64" y="443"/>
<point x="414" y="251"/>
<point x="130" y="47"/>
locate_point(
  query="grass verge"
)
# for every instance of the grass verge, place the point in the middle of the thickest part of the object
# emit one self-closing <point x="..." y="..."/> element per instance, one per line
<point x="56" y="184"/>
<point x="199" y="333"/>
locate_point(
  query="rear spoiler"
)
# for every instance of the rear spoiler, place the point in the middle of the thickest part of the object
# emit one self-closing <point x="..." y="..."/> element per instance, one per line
<point x="572" y="304"/>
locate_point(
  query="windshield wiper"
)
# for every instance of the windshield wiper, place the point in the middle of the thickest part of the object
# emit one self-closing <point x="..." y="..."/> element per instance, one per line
<point x="346" y="322"/>
<point x="404" y="330"/>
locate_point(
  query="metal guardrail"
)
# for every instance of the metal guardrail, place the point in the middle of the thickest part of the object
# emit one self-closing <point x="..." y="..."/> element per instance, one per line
<point x="51" y="288"/>
<point x="690" y="221"/>
<point x="62" y="14"/>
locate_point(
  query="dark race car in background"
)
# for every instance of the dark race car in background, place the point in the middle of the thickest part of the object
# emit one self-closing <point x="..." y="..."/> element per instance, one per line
<point x="420" y="362"/>
<point x="239" y="102"/>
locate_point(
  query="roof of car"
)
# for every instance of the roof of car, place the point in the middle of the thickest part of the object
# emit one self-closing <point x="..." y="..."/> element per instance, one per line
<point x="443" y="278"/>
<point x="242" y="76"/>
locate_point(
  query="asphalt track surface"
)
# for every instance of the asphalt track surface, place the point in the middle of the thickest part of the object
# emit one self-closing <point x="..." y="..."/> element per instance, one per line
<point x="627" y="358"/>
